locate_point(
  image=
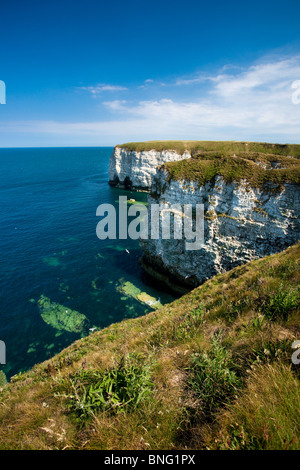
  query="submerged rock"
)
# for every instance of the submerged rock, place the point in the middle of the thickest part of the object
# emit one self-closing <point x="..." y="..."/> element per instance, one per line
<point x="131" y="290"/>
<point x="52" y="261"/>
<point x="60" y="317"/>
<point x="148" y="300"/>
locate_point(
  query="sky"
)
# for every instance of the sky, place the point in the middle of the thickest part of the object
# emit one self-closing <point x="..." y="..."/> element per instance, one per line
<point x="95" y="73"/>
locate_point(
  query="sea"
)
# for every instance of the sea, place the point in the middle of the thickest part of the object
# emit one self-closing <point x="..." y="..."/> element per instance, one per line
<point x="53" y="267"/>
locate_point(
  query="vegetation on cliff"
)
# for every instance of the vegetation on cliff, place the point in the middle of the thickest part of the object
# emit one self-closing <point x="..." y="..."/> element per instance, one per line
<point x="224" y="147"/>
<point x="211" y="370"/>
<point x="258" y="163"/>
<point x="258" y="169"/>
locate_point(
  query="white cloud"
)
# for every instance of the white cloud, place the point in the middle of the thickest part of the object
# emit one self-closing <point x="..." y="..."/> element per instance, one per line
<point x="146" y="83"/>
<point x="266" y="76"/>
<point x="191" y="81"/>
<point x="115" y="105"/>
<point x="250" y="104"/>
<point x="254" y="101"/>
<point x="95" y="90"/>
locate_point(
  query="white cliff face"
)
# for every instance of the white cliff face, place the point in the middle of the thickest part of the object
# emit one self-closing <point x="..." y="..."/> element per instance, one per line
<point x="136" y="170"/>
<point x="241" y="223"/>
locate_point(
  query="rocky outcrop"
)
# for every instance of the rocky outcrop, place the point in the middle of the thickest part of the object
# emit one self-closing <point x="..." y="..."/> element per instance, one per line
<point x="251" y="199"/>
<point x="136" y="169"/>
<point x="241" y="223"/>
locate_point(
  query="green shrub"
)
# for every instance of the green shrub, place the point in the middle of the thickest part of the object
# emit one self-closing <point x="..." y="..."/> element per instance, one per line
<point x="279" y="305"/>
<point x="258" y="322"/>
<point x="114" y="390"/>
<point x="212" y="376"/>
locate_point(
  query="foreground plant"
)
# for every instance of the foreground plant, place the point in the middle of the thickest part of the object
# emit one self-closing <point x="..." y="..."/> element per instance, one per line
<point x="114" y="390"/>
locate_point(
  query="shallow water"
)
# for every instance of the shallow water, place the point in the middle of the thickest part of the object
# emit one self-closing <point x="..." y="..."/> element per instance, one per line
<point x="49" y="248"/>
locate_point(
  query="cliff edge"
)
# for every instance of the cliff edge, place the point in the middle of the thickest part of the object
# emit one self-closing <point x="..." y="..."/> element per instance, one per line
<point x="250" y="193"/>
<point x="134" y="169"/>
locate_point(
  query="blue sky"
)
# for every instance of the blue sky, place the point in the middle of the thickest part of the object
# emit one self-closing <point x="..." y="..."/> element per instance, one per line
<point x="92" y="73"/>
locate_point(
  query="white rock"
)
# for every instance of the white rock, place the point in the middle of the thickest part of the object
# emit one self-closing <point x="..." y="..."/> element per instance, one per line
<point x="137" y="169"/>
<point x="242" y="223"/>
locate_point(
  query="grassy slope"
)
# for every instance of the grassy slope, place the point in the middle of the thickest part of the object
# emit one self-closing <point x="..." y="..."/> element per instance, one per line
<point x="210" y="370"/>
<point x="254" y="167"/>
<point x="196" y="146"/>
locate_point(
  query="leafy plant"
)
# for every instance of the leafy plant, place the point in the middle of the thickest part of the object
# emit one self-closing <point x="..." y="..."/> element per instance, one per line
<point x="258" y="322"/>
<point x="115" y="390"/>
<point x="18" y="377"/>
<point x="238" y="439"/>
<point x="282" y="303"/>
<point x="212" y="376"/>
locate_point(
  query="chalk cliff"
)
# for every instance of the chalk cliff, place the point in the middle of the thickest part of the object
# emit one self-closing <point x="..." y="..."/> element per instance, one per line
<point x="136" y="169"/>
<point x="251" y="198"/>
<point x="241" y="223"/>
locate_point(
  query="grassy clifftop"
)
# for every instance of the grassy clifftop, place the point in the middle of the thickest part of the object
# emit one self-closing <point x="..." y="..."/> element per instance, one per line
<point x="210" y="370"/>
<point x="257" y="168"/>
<point x="198" y="146"/>
<point x="258" y="163"/>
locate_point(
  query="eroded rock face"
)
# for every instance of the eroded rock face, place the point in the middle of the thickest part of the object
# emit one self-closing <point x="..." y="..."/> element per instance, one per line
<point x="241" y="223"/>
<point x="136" y="170"/>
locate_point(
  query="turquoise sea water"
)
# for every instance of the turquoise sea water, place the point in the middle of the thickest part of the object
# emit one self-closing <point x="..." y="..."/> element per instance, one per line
<point x="49" y="248"/>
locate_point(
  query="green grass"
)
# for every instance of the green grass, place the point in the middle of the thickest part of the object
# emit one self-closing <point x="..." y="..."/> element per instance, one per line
<point x="210" y="370"/>
<point x="282" y="303"/>
<point x="212" y="377"/>
<point x="117" y="389"/>
<point x="204" y="167"/>
<point x="258" y="163"/>
<point x="3" y="380"/>
<point x="256" y="422"/>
